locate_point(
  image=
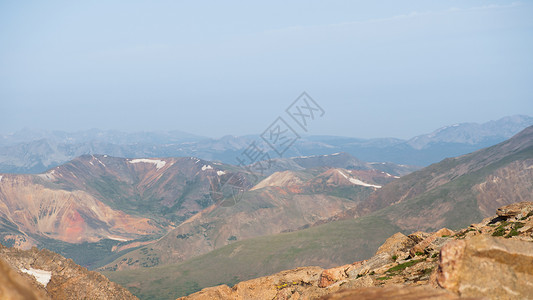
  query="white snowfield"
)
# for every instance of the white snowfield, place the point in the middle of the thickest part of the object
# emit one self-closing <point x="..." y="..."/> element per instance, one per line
<point x="220" y="173"/>
<point x="43" y="277"/>
<point x="158" y="163"/>
<point x="117" y="238"/>
<point x="0" y="178"/>
<point x="206" y="167"/>
<point x="357" y="181"/>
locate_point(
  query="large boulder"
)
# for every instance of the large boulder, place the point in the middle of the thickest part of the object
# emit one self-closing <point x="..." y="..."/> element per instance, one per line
<point x="486" y="266"/>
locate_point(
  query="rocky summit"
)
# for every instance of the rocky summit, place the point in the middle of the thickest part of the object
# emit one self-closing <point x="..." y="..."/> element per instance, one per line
<point x="492" y="259"/>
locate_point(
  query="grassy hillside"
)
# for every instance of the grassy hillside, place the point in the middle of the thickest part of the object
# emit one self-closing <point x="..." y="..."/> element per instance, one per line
<point x="328" y="245"/>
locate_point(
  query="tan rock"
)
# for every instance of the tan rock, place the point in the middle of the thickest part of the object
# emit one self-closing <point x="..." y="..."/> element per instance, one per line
<point x="392" y="292"/>
<point x="450" y="259"/>
<point x="421" y="247"/>
<point x="396" y="244"/>
<point x="377" y="261"/>
<point x="213" y="293"/>
<point x="332" y="275"/>
<point x="486" y="266"/>
<point x="365" y="281"/>
<point x="514" y="209"/>
<point x="418" y="236"/>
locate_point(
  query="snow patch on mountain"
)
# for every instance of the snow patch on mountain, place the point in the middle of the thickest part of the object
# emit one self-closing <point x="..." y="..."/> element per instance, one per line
<point x="117" y="238"/>
<point x="43" y="277"/>
<point x="48" y="175"/>
<point x="206" y="167"/>
<point x="101" y="162"/>
<point x="357" y="181"/>
<point x="158" y="163"/>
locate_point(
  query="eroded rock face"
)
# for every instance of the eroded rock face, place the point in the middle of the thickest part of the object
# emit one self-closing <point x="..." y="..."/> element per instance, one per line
<point x="496" y="268"/>
<point x="67" y="279"/>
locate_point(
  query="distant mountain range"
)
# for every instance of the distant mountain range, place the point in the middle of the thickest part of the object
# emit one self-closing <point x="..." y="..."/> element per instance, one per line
<point x="35" y="151"/>
<point x="111" y="204"/>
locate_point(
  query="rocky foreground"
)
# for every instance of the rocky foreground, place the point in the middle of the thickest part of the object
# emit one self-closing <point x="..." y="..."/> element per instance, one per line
<point x="489" y="260"/>
<point x="43" y="274"/>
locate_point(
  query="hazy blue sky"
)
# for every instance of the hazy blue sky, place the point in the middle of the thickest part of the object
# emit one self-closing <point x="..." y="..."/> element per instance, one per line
<point x="378" y="68"/>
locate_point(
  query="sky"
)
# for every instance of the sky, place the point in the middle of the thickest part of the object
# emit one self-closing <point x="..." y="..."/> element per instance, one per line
<point x="213" y="68"/>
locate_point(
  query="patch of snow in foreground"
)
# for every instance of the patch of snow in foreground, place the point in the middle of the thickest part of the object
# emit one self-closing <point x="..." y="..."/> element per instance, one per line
<point x="158" y="163"/>
<point x="0" y="178"/>
<point x="206" y="167"/>
<point x="43" y="277"/>
<point x="219" y="173"/>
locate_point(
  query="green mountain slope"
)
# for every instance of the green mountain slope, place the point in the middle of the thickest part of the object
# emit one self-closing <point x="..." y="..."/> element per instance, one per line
<point x="327" y="245"/>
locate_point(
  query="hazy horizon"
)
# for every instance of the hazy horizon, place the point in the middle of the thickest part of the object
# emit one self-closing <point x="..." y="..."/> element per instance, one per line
<point x="379" y="69"/>
<point x="235" y="135"/>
